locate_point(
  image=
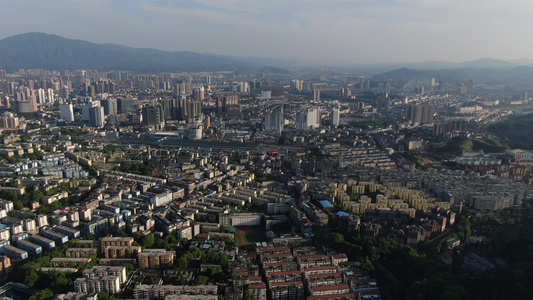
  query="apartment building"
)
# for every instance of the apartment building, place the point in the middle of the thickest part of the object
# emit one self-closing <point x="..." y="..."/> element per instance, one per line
<point x="288" y="290"/>
<point x="122" y="251"/>
<point x="115" y="241"/>
<point x="81" y="252"/>
<point x="155" y="259"/>
<point x="329" y="289"/>
<point x="144" y="291"/>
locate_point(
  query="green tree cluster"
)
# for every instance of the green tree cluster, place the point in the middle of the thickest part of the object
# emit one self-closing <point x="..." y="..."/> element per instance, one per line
<point x="403" y="273"/>
<point x="514" y="132"/>
<point x="146" y="240"/>
<point x="140" y="168"/>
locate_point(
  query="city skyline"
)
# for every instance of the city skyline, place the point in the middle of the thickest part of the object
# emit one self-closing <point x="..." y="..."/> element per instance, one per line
<point x="334" y="31"/>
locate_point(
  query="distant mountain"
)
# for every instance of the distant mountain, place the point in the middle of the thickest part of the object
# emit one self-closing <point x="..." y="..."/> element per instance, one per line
<point x="522" y="61"/>
<point x="522" y="75"/>
<point x="486" y="63"/>
<point x="48" y="51"/>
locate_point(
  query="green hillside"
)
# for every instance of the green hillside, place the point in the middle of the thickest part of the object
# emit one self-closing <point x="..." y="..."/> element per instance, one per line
<point x="516" y="132"/>
<point x="455" y="147"/>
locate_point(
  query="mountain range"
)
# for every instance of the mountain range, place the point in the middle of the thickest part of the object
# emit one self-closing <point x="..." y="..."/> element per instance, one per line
<point x="520" y="75"/>
<point x="48" y="51"/>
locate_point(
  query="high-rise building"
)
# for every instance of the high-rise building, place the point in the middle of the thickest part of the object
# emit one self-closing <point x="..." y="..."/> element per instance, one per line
<point x="335" y="117"/>
<point x="308" y="119"/>
<point x="110" y="106"/>
<point x="240" y="87"/>
<point x="275" y="90"/>
<point x="165" y="108"/>
<point x="177" y="108"/>
<point x="124" y="105"/>
<point x="86" y="85"/>
<point x="301" y="120"/>
<point x="316" y="95"/>
<point x="66" y="112"/>
<point x="380" y="88"/>
<point x="9" y="120"/>
<point x="198" y="93"/>
<point x="97" y="116"/>
<point x="313" y="118"/>
<point x="41" y="96"/>
<point x="450" y="125"/>
<point x="112" y="87"/>
<point x="65" y="93"/>
<point x="297" y="84"/>
<point x="255" y="86"/>
<point x="275" y="120"/>
<point x="226" y="103"/>
<point x="86" y="110"/>
<point x="27" y="106"/>
<point x="7" y="87"/>
<point x="183" y="109"/>
<point x="31" y="83"/>
<point x="420" y="114"/>
<point x="50" y="98"/>
<point x="184" y="88"/>
<point x="346" y="92"/>
<point x="193" y="108"/>
<point x="150" y="116"/>
<point x="383" y="103"/>
<point x="91" y="91"/>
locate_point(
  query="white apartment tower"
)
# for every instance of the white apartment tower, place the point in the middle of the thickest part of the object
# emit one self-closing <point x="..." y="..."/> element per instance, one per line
<point x="66" y="111"/>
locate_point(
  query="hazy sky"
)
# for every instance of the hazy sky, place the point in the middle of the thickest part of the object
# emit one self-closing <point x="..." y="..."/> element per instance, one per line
<point x="353" y="30"/>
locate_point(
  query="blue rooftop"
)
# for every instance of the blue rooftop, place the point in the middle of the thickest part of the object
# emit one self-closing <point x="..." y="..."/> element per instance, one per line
<point x="326" y="204"/>
<point x="342" y="214"/>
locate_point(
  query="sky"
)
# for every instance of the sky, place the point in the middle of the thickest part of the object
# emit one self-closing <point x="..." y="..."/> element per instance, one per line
<point x="360" y="31"/>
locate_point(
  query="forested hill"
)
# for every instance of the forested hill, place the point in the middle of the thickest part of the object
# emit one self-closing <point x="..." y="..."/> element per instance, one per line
<point x="515" y="132"/>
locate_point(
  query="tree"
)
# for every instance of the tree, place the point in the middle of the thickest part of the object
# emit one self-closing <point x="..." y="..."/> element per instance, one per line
<point x="25" y="138"/>
<point x="31" y="277"/>
<point x="18" y="205"/>
<point x="147" y="240"/>
<point x="216" y="274"/>
<point x="57" y="281"/>
<point x="162" y="243"/>
<point x="129" y="267"/>
<point x="248" y="296"/>
<point x="121" y="233"/>
<point x="37" y="196"/>
<point x="43" y="295"/>
<point x="104" y="296"/>
<point x="336" y="238"/>
<point x="52" y="191"/>
<point x="367" y="265"/>
<point x="183" y="262"/>
<point x="201" y="280"/>
<point x="64" y="186"/>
